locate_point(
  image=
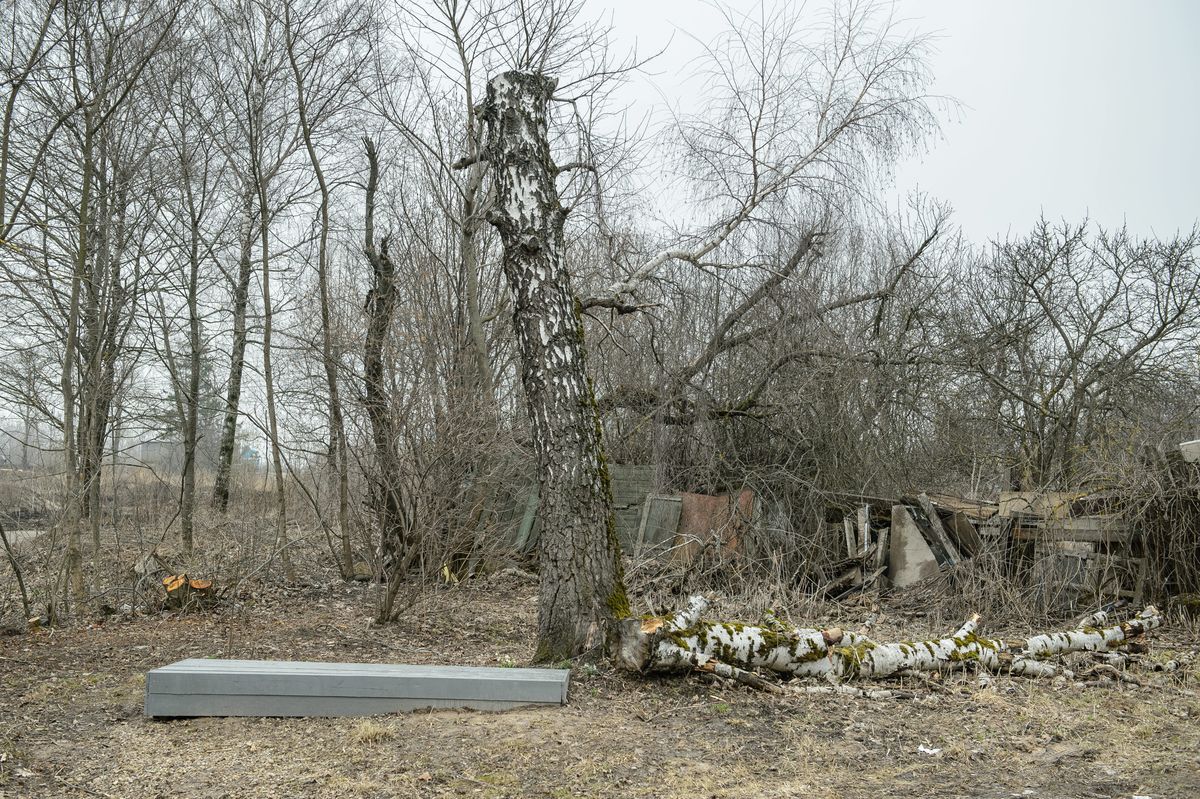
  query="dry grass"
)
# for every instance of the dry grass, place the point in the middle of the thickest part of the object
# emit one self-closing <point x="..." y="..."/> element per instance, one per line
<point x="369" y="731"/>
<point x="72" y="721"/>
<point x="77" y="727"/>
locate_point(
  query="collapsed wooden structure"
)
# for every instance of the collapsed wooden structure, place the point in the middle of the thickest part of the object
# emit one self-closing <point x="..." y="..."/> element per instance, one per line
<point x="685" y="641"/>
<point x="1070" y="547"/>
<point x="1073" y="545"/>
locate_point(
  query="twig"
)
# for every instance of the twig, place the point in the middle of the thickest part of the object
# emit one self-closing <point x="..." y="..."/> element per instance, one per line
<point x="16" y="567"/>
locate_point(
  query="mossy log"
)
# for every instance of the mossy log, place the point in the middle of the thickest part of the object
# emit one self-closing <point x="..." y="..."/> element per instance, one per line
<point x="685" y="641"/>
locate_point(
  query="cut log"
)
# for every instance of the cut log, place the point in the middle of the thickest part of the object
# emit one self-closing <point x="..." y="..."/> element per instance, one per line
<point x="182" y="589"/>
<point x="685" y="641"/>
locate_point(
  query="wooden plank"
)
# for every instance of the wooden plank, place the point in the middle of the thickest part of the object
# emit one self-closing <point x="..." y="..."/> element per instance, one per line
<point x="881" y="548"/>
<point x="864" y="528"/>
<point x="1049" y="504"/>
<point x="935" y="528"/>
<point x="879" y="564"/>
<point x="524" y="540"/>
<point x="200" y="687"/>
<point x="978" y="509"/>
<point x="851" y="538"/>
<point x="963" y="532"/>
<point x="641" y="534"/>
<point x="659" y="522"/>
<point x="1089" y="523"/>
<point x="1095" y="529"/>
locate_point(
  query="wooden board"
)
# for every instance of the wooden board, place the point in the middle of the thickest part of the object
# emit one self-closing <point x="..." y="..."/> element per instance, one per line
<point x="964" y="534"/>
<point x="927" y="518"/>
<point x="1098" y="529"/>
<point x="659" y="523"/>
<point x="975" y="509"/>
<point x="199" y="687"/>
<point x="1048" y="504"/>
<point x="864" y="528"/>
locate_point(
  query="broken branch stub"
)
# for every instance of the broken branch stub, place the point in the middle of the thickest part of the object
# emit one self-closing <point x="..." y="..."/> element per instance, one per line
<point x="685" y="641"/>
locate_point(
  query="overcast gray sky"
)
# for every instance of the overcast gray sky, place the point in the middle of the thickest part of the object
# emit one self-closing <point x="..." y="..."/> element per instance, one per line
<point x="1069" y="107"/>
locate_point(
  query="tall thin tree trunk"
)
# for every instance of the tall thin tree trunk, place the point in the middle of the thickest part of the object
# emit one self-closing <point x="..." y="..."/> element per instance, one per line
<point x="187" y="502"/>
<point x="114" y="462"/>
<point x="281" y="542"/>
<point x="28" y="431"/>
<point x="582" y="590"/>
<point x="481" y="370"/>
<point x="338" y="455"/>
<point x="75" y="486"/>
<point x="471" y="401"/>
<point x="237" y="361"/>
<point x="91" y="386"/>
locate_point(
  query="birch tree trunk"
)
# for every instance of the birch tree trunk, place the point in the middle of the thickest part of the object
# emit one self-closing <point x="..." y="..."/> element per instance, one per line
<point x="581" y="587"/>
<point x="685" y="641"/>
<point x="281" y="542"/>
<point x="237" y="358"/>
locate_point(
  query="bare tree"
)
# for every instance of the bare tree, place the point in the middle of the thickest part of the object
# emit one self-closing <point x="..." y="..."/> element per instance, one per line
<point x="387" y="495"/>
<point x="323" y="68"/>
<point x="1066" y="328"/>
<point x="104" y="55"/>
<point x="193" y="227"/>
<point x="257" y="133"/>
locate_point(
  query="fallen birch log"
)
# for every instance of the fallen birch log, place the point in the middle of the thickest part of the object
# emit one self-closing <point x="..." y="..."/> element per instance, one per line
<point x="685" y="641"/>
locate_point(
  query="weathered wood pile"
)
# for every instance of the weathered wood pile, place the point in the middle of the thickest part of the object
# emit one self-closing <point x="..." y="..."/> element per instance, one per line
<point x="1069" y="545"/>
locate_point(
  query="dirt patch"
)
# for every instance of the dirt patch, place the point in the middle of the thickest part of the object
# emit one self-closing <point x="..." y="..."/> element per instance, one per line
<point x="72" y="723"/>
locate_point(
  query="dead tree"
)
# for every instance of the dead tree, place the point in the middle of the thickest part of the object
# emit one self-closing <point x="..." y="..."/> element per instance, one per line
<point x="582" y="591"/>
<point x="685" y="641"/>
<point x="387" y="497"/>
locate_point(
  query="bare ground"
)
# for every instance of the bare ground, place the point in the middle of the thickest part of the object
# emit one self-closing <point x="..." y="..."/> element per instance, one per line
<point x="71" y="723"/>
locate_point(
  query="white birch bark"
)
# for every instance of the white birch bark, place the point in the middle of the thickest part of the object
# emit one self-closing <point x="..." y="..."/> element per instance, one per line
<point x="581" y="588"/>
<point x="685" y="641"/>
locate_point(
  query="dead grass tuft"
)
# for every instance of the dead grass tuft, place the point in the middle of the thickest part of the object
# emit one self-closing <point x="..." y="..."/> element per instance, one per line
<point x="369" y="731"/>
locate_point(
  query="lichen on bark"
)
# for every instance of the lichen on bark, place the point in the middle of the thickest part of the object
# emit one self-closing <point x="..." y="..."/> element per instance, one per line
<point x="685" y="641"/>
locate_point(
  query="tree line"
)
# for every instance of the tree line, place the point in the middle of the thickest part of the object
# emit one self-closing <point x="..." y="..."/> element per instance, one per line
<point x="332" y="227"/>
